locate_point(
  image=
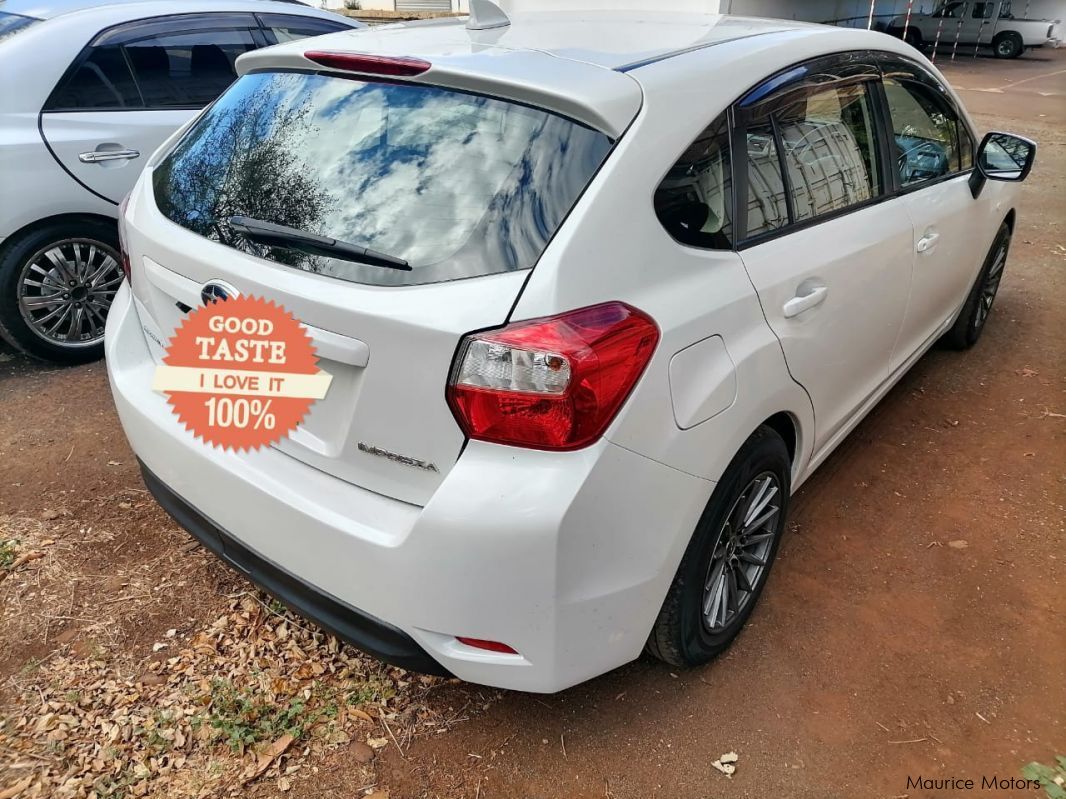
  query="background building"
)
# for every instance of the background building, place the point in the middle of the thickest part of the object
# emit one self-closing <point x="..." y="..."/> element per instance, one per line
<point x="840" y="11"/>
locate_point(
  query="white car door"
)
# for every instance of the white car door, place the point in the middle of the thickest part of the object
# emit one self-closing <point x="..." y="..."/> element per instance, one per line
<point x="828" y="252"/>
<point x="133" y="86"/>
<point x="933" y="157"/>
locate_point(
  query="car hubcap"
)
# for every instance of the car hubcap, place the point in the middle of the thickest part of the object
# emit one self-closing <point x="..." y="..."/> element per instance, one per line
<point x="65" y="290"/>
<point x="742" y="553"/>
<point x="990" y="287"/>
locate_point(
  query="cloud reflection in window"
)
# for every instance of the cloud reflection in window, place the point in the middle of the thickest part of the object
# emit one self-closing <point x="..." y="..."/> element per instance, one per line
<point x="457" y="184"/>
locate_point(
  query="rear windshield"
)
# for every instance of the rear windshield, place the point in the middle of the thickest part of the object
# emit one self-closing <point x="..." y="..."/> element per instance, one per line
<point x="458" y="185"/>
<point x="10" y="24"/>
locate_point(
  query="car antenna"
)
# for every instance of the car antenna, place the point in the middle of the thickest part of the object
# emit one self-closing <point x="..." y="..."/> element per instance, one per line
<point x="486" y="15"/>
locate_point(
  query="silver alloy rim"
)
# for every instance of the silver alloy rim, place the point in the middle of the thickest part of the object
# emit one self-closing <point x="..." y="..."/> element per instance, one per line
<point x="65" y="289"/>
<point x="742" y="552"/>
<point x="1005" y="47"/>
<point x="990" y="287"/>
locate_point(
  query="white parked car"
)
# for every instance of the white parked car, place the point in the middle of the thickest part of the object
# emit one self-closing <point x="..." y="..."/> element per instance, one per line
<point x="620" y="309"/>
<point x="87" y="92"/>
<point x="989" y="24"/>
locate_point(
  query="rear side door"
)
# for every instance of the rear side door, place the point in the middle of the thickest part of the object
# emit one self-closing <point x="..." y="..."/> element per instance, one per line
<point x="132" y="86"/>
<point x="933" y="151"/>
<point x="827" y="248"/>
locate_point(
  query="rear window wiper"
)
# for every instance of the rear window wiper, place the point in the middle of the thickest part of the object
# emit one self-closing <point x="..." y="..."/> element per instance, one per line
<point x="292" y="239"/>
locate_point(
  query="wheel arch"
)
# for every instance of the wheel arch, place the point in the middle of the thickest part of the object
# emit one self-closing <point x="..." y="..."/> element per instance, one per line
<point x="787" y="426"/>
<point x="54" y="219"/>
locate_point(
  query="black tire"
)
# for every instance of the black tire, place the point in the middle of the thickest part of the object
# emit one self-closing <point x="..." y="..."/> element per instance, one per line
<point x="1008" y="45"/>
<point x="913" y="37"/>
<point x="21" y="280"/>
<point x="683" y="635"/>
<point x="971" y="322"/>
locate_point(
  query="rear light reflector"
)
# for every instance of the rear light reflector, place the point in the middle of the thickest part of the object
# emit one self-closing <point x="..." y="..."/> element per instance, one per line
<point x="489" y="646"/>
<point x="393" y="66"/>
<point x="554" y="383"/>
<point x="123" y="247"/>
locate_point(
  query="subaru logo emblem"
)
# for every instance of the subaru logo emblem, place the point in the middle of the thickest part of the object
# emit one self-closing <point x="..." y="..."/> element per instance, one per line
<point x="216" y="291"/>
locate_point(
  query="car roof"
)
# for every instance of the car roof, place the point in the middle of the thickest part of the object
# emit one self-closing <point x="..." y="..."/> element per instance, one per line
<point x="584" y="64"/>
<point x="609" y="39"/>
<point x="49" y="9"/>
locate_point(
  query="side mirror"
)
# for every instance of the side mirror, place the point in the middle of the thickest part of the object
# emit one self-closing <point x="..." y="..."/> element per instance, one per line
<point x="1004" y="157"/>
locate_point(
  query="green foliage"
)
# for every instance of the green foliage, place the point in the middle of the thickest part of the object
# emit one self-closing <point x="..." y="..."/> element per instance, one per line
<point x="1051" y="778"/>
<point x="372" y="690"/>
<point x="241" y="718"/>
<point x="154" y="734"/>
<point x="8" y="552"/>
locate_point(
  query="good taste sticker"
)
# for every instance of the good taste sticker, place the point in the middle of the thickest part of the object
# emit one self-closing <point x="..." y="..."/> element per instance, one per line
<point x="241" y="373"/>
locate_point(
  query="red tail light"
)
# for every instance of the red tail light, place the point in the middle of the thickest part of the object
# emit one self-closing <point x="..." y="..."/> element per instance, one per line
<point x="123" y="248"/>
<point x="551" y="384"/>
<point x="392" y="66"/>
<point x="489" y="646"/>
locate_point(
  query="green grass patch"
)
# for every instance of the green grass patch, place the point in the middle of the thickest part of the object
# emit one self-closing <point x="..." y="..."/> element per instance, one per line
<point x="242" y="719"/>
<point x="1051" y="778"/>
<point x="9" y="550"/>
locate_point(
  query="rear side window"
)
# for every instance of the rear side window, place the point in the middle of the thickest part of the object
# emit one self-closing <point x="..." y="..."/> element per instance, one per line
<point x="811" y="153"/>
<point x="101" y="81"/>
<point x="10" y="24"/>
<point x="767" y="191"/>
<point x="456" y="184"/>
<point x="829" y="143"/>
<point x="187" y="70"/>
<point x="694" y="201"/>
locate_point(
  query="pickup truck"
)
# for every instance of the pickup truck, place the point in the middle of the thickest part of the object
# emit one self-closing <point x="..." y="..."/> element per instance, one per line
<point x="990" y="24"/>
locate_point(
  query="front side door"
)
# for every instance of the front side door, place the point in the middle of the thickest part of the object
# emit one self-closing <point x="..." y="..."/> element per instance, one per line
<point x="828" y="252"/>
<point x="133" y="86"/>
<point x="933" y="149"/>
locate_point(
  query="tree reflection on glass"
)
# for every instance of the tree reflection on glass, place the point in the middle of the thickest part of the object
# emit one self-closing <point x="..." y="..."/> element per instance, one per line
<point x="454" y="183"/>
<point x="244" y="160"/>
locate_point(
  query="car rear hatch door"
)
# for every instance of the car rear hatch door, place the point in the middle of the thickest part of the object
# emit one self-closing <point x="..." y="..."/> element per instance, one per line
<point x="466" y="188"/>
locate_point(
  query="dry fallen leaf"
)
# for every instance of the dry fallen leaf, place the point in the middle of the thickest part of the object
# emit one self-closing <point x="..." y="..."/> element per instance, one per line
<point x="959" y="544"/>
<point x="276" y="750"/>
<point x="17" y="788"/>
<point x="360" y="752"/>
<point x="725" y="763"/>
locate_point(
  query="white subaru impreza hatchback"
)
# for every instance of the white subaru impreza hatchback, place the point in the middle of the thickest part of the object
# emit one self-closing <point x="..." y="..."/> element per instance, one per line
<point x="635" y="275"/>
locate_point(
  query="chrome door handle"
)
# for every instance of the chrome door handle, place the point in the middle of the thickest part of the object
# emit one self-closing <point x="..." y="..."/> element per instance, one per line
<point x="799" y="304"/>
<point x="928" y="242"/>
<point x="95" y="157"/>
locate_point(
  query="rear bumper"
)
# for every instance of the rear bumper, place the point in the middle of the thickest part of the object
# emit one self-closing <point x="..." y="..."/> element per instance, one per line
<point x="371" y="635"/>
<point x="566" y="557"/>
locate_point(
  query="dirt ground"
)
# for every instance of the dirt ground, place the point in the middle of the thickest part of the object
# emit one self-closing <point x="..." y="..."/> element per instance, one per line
<point x="915" y="623"/>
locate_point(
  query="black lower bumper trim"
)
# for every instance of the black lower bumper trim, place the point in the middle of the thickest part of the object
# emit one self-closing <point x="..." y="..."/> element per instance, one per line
<point x="360" y="629"/>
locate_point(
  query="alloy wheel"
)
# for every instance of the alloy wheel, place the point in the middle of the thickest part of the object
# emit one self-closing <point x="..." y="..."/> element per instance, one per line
<point x="66" y="288"/>
<point x="990" y="287"/>
<point x="742" y="554"/>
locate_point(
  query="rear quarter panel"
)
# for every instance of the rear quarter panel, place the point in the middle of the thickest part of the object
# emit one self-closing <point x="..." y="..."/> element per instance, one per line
<point x="614" y="248"/>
